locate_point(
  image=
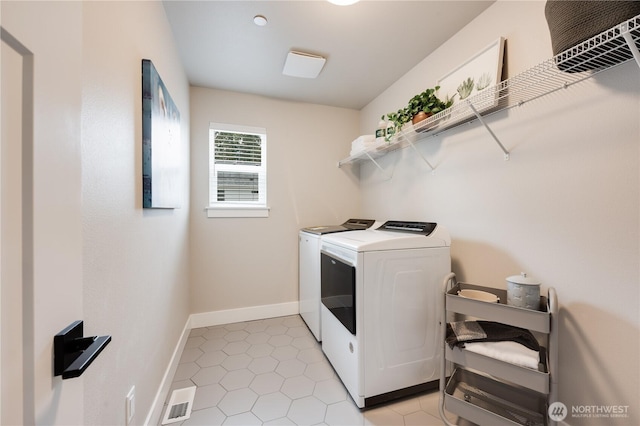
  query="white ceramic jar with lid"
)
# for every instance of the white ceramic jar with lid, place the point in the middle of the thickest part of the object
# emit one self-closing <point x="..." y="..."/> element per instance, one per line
<point x="523" y="291"/>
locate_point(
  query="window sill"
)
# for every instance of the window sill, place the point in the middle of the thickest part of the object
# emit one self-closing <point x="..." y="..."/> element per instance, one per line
<point x="237" y="211"/>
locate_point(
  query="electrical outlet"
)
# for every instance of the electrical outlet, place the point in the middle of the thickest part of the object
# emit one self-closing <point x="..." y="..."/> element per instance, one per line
<point x="130" y="405"/>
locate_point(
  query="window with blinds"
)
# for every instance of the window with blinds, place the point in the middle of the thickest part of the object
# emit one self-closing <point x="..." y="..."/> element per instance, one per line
<point x="237" y="166"/>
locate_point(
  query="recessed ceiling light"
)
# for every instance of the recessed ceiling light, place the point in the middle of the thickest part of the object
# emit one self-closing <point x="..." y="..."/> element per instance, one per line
<point x="343" y="2"/>
<point x="260" y="20"/>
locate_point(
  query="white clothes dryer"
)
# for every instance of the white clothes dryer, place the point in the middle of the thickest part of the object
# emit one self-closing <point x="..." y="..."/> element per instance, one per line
<point x="380" y="293"/>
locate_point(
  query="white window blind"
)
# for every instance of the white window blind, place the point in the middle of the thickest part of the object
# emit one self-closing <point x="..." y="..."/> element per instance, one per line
<point x="237" y="169"/>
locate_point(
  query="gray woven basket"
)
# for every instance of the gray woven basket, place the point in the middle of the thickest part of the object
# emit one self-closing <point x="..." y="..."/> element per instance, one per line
<point x="573" y="22"/>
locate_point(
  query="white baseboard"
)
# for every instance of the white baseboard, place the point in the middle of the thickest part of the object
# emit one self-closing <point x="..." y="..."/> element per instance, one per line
<point x="153" y="417"/>
<point x="207" y="319"/>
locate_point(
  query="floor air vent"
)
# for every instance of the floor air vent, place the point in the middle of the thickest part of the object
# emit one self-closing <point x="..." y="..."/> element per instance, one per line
<point x="180" y="405"/>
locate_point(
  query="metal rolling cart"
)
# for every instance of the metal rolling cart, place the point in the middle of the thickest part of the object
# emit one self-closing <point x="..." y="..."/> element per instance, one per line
<point x="489" y="391"/>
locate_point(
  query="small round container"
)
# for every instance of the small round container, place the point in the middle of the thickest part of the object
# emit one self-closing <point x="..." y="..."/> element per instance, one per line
<point x="479" y="295"/>
<point x="523" y="291"/>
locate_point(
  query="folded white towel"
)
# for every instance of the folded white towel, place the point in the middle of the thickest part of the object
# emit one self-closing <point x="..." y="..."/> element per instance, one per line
<point x="363" y="140"/>
<point x="362" y="143"/>
<point x="508" y="351"/>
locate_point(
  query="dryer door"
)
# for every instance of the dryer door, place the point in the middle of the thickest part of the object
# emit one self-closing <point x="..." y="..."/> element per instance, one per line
<point x="338" y="289"/>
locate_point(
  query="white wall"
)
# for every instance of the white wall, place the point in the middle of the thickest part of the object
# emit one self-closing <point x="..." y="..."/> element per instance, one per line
<point x="135" y="260"/>
<point x="240" y="263"/>
<point x="564" y="208"/>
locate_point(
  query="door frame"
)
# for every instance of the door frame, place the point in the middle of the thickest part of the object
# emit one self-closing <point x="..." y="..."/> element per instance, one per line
<point x="28" y="333"/>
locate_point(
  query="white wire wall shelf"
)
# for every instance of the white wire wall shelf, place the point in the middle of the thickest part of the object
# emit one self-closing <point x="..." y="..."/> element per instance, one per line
<point x="604" y="51"/>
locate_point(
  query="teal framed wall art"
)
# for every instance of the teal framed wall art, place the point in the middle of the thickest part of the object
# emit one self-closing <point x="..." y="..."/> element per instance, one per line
<point x="161" y="172"/>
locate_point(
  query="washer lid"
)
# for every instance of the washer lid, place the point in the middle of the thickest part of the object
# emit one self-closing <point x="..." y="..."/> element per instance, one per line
<point x="376" y="239"/>
<point x="324" y="229"/>
<point x="349" y="225"/>
<point x="358" y="224"/>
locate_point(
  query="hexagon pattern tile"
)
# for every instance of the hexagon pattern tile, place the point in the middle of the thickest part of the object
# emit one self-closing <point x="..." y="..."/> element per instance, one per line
<point x="273" y="372"/>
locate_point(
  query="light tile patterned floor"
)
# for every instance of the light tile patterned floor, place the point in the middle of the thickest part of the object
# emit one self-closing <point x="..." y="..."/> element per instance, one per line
<point x="273" y="372"/>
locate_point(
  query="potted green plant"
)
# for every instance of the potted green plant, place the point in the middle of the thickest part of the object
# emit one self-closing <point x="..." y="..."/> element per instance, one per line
<point x="425" y="104"/>
<point x="420" y="107"/>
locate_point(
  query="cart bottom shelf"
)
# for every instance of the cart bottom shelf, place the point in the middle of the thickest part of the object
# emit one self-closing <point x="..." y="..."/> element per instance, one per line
<point x="488" y="402"/>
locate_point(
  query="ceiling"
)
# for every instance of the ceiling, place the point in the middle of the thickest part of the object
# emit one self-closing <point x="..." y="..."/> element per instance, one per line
<point x="368" y="45"/>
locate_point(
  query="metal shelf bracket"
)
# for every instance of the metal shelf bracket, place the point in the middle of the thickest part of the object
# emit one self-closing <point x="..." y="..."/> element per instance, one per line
<point x="493" y="135"/>
<point x="632" y="45"/>
<point x="433" y="169"/>
<point x="387" y="175"/>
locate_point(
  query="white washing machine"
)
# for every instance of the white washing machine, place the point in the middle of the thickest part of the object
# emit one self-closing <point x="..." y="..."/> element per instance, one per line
<point x="380" y="293"/>
<point x="309" y="269"/>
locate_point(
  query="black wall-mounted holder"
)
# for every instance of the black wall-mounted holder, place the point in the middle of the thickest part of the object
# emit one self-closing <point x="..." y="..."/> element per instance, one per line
<point x="73" y="353"/>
